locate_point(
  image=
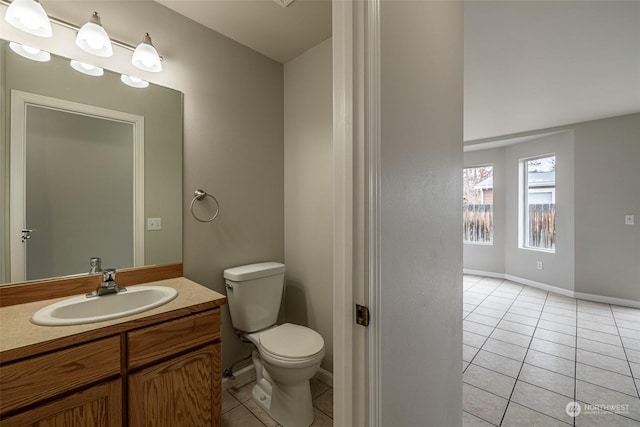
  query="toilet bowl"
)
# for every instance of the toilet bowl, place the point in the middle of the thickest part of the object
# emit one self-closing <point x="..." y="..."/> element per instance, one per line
<point x="285" y="356"/>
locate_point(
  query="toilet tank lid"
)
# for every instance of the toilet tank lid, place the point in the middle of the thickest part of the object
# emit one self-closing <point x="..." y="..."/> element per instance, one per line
<point x="253" y="271"/>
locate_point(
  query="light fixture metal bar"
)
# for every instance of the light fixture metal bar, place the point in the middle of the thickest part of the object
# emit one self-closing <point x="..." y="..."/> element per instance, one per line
<point x="74" y="27"/>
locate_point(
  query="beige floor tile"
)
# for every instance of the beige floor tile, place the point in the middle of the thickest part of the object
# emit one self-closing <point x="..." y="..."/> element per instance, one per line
<point x="505" y="349"/>
<point x="468" y="352"/>
<point x="556" y="337"/>
<point x="498" y="363"/>
<point x="511" y="337"/>
<point x="607" y="379"/>
<point x="633" y="355"/>
<point x="482" y="319"/>
<point x="560" y="311"/>
<point x="635" y="369"/>
<point x="550" y="362"/>
<point x="601" y="348"/>
<point x="469" y="420"/>
<point x="557" y="327"/>
<point x="483" y="404"/>
<point x="635" y="326"/>
<point x="524" y="312"/>
<point x="491" y="312"/>
<point x="604" y="362"/>
<point x="489" y="380"/>
<point x="243" y="393"/>
<point x="519" y="318"/>
<point x="602" y="419"/>
<point x="520" y="416"/>
<point x="613" y="339"/>
<point x="324" y="402"/>
<point x="631" y="343"/>
<point x="519" y="328"/>
<point x="541" y="400"/>
<point x="228" y="402"/>
<point x="560" y="350"/>
<point x="321" y="420"/>
<point x="477" y="328"/>
<point x="473" y="340"/>
<point x="317" y="387"/>
<point x="260" y="413"/>
<point x="564" y="320"/>
<point x="548" y="380"/>
<point x="596" y="395"/>
<point x="597" y="326"/>
<point x="240" y="417"/>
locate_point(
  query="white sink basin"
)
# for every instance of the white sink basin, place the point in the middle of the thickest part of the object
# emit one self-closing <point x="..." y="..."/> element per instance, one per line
<point x="80" y="309"/>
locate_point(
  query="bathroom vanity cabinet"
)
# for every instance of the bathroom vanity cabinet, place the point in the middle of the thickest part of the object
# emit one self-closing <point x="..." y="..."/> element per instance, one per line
<point x="160" y="369"/>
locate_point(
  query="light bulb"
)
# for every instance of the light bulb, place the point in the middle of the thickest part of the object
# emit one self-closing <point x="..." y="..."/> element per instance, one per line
<point x="30" y="17"/>
<point x="93" y="38"/>
<point x="145" y="57"/>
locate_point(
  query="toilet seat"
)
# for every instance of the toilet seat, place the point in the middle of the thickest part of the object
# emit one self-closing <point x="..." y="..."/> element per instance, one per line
<point x="291" y="345"/>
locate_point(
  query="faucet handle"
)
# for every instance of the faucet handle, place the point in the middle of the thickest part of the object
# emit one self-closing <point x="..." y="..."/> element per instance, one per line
<point x="109" y="275"/>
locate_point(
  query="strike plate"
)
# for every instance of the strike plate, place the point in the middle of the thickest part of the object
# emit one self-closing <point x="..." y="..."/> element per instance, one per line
<point x="362" y="315"/>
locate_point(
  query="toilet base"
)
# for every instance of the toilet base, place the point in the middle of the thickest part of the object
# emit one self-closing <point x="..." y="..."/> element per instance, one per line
<point x="289" y="404"/>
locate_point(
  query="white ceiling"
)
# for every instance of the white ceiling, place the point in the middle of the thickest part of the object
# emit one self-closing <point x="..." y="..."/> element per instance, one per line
<point x="529" y="65"/>
<point x="263" y="25"/>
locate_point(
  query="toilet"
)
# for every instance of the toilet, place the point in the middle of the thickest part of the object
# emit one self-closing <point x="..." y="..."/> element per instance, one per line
<point x="287" y="355"/>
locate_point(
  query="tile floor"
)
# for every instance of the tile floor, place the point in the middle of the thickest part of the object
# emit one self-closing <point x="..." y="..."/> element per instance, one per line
<point x="240" y="410"/>
<point x="528" y="353"/>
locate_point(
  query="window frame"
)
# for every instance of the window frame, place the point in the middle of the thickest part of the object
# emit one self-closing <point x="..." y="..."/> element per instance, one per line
<point x="523" y="202"/>
<point x="476" y="166"/>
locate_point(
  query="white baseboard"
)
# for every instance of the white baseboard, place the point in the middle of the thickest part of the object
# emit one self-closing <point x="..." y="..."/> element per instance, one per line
<point x="555" y="289"/>
<point x="240" y="378"/>
<point x="324" y="376"/>
<point x="248" y="373"/>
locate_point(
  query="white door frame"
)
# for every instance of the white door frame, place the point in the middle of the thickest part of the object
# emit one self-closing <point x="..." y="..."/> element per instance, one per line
<point x="17" y="193"/>
<point x="356" y="140"/>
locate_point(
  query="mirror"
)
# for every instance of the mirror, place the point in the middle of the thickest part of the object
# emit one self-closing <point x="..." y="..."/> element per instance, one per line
<point x="69" y="119"/>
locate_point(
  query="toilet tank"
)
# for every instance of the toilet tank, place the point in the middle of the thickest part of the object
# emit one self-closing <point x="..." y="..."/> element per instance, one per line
<point x="254" y="293"/>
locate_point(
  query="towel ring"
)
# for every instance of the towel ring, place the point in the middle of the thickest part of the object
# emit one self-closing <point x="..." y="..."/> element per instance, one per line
<point x="199" y="195"/>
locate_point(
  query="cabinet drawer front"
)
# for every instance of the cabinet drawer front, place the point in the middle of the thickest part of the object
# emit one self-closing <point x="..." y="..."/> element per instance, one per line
<point x="158" y="341"/>
<point x="31" y="380"/>
<point x="99" y="405"/>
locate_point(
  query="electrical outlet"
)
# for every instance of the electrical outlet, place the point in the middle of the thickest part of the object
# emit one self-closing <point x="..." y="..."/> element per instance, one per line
<point x="629" y="219"/>
<point x="539" y="265"/>
<point x="154" y="223"/>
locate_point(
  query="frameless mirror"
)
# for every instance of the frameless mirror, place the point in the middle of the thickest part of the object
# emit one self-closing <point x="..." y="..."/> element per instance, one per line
<point x="91" y="167"/>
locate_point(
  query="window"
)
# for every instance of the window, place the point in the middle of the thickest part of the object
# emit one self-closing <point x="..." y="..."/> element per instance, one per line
<point x="539" y="203"/>
<point x="478" y="204"/>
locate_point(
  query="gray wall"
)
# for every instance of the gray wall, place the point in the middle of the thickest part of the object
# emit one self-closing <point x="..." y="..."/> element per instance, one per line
<point x="607" y="177"/>
<point x="233" y="137"/>
<point x="308" y="190"/>
<point x="597" y="185"/>
<point x="421" y="184"/>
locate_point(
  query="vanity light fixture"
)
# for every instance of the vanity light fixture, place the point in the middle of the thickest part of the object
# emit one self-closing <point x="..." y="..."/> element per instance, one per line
<point x="88" y="69"/>
<point x="30" y="52"/>
<point x="145" y="57"/>
<point x="93" y="38"/>
<point x="134" y="81"/>
<point x="30" y="17"/>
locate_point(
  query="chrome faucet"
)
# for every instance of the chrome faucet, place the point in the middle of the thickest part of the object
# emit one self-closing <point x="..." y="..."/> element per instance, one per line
<point x="108" y="285"/>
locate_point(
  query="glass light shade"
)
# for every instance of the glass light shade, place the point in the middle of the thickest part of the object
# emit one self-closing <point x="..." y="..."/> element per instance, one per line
<point x="134" y="81"/>
<point x="145" y="57"/>
<point x="88" y="69"/>
<point x="93" y="38"/>
<point x="30" y="17"/>
<point x="30" y="52"/>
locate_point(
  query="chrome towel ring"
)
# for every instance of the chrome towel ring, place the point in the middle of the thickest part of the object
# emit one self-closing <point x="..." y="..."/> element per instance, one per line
<point x="199" y="195"/>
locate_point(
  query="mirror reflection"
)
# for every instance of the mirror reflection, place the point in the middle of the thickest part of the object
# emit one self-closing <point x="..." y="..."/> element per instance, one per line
<point x="86" y="162"/>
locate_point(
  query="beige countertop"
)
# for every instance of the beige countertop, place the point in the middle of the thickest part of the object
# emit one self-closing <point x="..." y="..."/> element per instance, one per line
<point x="19" y="337"/>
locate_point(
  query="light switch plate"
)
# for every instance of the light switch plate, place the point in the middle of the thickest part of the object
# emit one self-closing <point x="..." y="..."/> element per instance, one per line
<point x="154" y="223"/>
<point x="629" y="219"/>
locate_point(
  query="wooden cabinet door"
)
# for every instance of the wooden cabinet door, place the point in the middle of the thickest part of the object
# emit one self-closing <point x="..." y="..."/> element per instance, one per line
<point x="98" y="406"/>
<point x="184" y="391"/>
